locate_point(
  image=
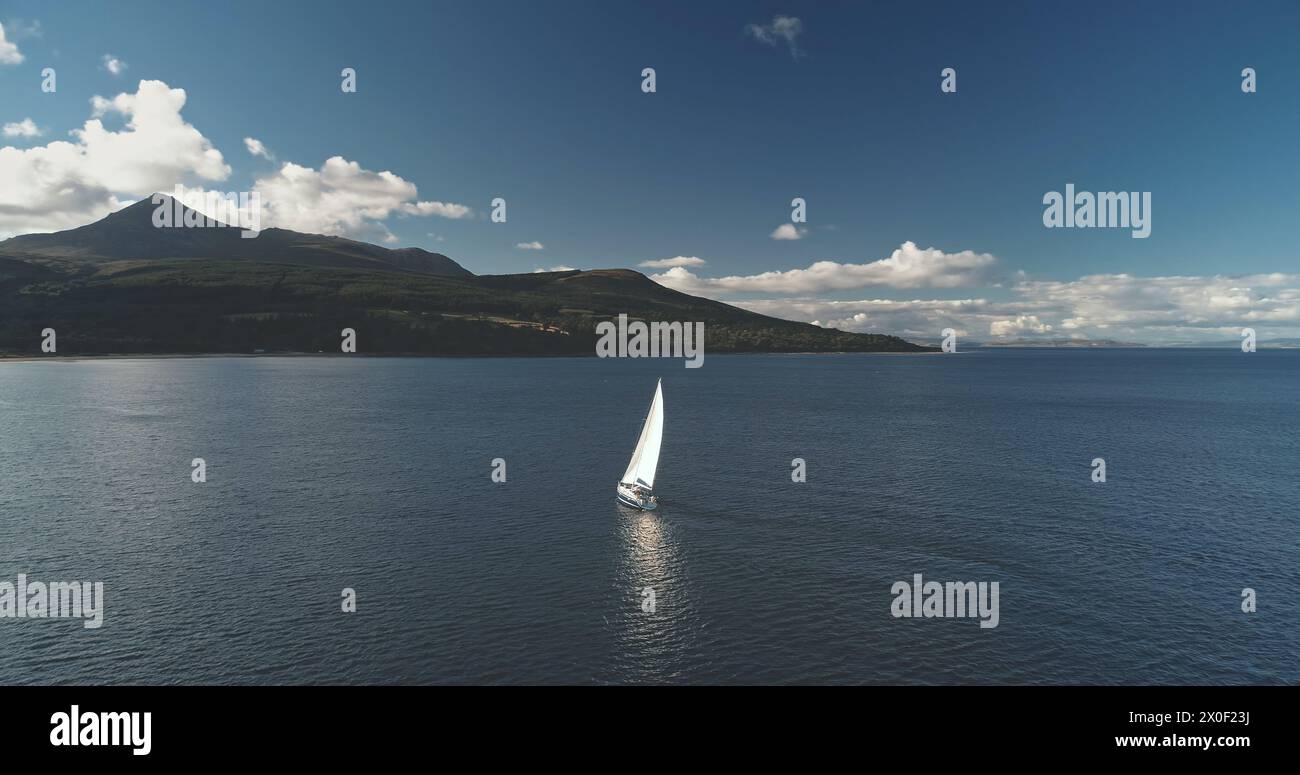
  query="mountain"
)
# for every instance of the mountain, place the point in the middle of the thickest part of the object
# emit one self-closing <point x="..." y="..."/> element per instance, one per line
<point x="121" y="285"/>
<point x="130" y="235"/>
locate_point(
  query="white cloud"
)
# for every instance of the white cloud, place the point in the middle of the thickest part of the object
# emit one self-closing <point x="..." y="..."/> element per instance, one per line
<point x="257" y="148"/>
<point x="9" y="53"/>
<point x="341" y="198"/>
<point x="788" y="231"/>
<point x="908" y="267"/>
<point x="24" y="128"/>
<point x="1154" y="310"/>
<point x="440" y="209"/>
<point x="1176" y="306"/>
<point x="1020" y="324"/>
<point x="530" y="245"/>
<point x="555" y="269"/>
<point x="669" y="263"/>
<point x="919" y="318"/>
<point x="155" y="148"/>
<point x="784" y="30"/>
<point x="65" y="184"/>
<point x="113" y="65"/>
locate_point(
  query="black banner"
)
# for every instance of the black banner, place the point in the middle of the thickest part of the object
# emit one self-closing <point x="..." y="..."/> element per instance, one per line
<point x="358" y="724"/>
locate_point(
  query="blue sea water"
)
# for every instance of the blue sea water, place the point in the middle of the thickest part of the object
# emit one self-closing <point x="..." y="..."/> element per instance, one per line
<point x="374" y="474"/>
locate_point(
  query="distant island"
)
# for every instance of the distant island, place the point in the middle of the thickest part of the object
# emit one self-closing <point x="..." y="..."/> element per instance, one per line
<point x="123" y="286"/>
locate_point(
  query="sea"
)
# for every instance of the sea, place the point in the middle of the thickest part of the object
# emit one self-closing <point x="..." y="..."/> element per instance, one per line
<point x="367" y="520"/>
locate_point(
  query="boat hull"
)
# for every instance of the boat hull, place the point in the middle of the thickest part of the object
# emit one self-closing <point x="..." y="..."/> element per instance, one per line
<point x="632" y="502"/>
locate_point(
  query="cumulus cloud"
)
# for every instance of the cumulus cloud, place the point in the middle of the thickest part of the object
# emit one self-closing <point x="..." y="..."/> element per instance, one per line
<point x="256" y="147"/>
<point x="907" y="267"/>
<point x="782" y="31"/>
<point x="560" y="268"/>
<point x="9" y="53"/>
<point x="156" y="146"/>
<point x="24" y="128"/>
<point x="65" y="184"/>
<point x="1154" y="310"/>
<point x="440" y="209"/>
<point x="341" y="198"/>
<point x="914" y="318"/>
<point x="788" y="231"/>
<point x="669" y="263"/>
<point x="530" y="245"/>
<point x="113" y="65"/>
<point x="1020" y="324"/>
<point x="1179" y="306"/>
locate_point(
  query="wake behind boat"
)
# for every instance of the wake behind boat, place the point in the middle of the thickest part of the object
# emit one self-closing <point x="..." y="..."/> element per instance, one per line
<point x="636" y="488"/>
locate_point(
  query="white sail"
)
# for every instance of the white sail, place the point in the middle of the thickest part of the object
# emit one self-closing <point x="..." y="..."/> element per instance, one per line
<point x="645" y="460"/>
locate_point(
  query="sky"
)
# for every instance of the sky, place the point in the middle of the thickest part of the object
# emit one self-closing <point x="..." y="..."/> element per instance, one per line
<point x="925" y="208"/>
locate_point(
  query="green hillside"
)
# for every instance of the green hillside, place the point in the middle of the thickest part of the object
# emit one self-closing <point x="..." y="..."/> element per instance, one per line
<point x="118" y="286"/>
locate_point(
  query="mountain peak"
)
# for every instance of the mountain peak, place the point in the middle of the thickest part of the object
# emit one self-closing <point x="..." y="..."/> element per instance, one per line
<point x="144" y="209"/>
<point x="144" y="205"/>
<point x="130" y="235"/>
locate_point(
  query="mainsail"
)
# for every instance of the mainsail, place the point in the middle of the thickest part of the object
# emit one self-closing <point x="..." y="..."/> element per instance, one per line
<point x="641" y="470"/>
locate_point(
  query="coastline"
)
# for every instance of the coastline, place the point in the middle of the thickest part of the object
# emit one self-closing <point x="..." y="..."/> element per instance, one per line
<point x="177" y="356"/>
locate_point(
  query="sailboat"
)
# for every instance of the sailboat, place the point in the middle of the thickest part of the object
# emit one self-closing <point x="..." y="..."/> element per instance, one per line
<point x="636" y="488"/>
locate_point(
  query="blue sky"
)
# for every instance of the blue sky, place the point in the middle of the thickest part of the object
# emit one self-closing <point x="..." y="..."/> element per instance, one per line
<point x="540" y="103"/>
